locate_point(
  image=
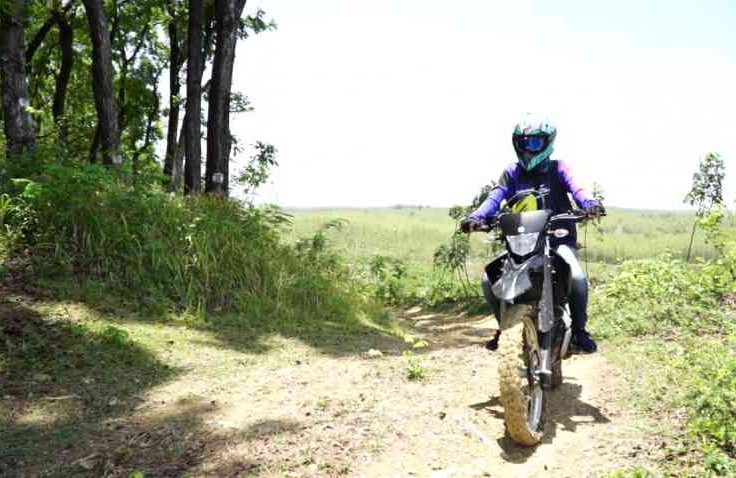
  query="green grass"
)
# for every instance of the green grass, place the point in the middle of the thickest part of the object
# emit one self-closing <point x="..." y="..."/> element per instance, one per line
<point x="413" y="234"/>
<point x="687" y="389"/>
<point x="671" y="330"/>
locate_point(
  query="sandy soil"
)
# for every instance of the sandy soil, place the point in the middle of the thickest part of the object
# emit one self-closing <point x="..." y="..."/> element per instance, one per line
<point x="362" y="417"/>
<point x="301" y="412"/>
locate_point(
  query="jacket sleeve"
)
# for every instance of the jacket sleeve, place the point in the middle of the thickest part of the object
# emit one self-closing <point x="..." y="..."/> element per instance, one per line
<point x="492" y="203"/>
<point x="578" y="193"/>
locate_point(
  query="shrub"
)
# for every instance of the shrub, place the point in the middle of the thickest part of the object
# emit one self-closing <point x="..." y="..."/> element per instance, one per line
<point x="388" y="274"/>
<point x="200" y="253"/>
<point x="713" y="397"/>
<point x="658" y="296"/>
<point x="667" y="298"/>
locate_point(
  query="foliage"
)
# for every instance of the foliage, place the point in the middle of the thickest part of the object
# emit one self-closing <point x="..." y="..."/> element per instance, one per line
<point x="706" y="192"/>
<point x="712" y="402"/>
<point x="387" y="274"/>
<point x="453" y="256"/>
<point x="414" y="369"/>
<point x="707" y="187"/>
<point x="140" y="54"/>
<point x="197" y="253"/>
<point x="666" y="298"/>
<point x="634" y="473"/>
<point x="662" y="295"/>
<point x="258" y="169"/>
<point x="256" y="23"/>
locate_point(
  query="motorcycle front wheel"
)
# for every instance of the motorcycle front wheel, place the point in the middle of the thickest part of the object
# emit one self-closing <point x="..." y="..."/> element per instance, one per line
<point x="522" y="396"/>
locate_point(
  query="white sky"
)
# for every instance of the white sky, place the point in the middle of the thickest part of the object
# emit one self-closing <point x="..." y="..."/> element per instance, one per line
<point x="413" y="101"/>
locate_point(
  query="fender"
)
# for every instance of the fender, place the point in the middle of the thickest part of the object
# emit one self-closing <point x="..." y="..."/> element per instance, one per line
<point x="511" y="280"/>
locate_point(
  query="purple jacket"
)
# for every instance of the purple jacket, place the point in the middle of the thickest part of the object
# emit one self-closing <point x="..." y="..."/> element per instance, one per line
<point x="557" y="178"/>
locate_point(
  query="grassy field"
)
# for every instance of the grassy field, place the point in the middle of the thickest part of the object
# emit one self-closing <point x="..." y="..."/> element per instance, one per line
<point x="414" y="234"/>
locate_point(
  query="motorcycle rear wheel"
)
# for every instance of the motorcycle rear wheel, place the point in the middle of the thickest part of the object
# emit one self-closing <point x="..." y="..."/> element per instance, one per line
<point x="522" y="396"/>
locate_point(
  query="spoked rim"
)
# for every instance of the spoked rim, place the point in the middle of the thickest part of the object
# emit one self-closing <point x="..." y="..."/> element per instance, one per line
<point x="533" y="392"/>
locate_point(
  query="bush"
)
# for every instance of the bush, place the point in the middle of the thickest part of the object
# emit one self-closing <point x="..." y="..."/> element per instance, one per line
<point x="658" y="296"/>
<point x="388" y="278"/>
<point x="666" y="298"/>
<point x="713" y="398"/>
<point x="200" y="253"/>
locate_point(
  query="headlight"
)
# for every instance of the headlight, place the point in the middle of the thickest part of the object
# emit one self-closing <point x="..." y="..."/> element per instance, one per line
<point x="523" y="244"/>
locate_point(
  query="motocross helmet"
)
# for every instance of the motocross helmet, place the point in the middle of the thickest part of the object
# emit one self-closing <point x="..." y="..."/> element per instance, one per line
<point x="534" y="140"/>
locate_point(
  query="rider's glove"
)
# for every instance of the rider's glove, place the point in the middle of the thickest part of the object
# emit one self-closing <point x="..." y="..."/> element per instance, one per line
<point x="469" y="225"/>
<point x="594" y="209"/>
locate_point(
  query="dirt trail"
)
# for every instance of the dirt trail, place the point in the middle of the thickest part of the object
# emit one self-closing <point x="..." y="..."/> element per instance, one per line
<point x="302" y="412"/>
<point x="360" y="416"/>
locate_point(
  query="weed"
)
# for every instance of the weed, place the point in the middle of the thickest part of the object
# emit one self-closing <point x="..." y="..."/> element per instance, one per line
<point x="115" y="336"/>
<point x="634" y="473"/>
<point x="414" y="369"/>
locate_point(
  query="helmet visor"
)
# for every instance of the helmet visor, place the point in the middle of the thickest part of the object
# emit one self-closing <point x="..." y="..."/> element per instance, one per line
<point x="531" y="144"/>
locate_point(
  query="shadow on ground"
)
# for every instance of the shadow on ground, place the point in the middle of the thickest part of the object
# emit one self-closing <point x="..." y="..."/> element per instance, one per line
<point x="565" y="411"/>
<point x="61" y="383"/>
<point x="72" y="404"/>
<point x="365" y="327"/>
<point x="451" y="327"/>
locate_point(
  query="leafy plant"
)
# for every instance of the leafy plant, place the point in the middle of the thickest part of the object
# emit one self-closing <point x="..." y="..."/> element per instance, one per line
<point x="414" y="369"/>
<point x="258" y="169"/>
<point x="117" y="337"/>
<point x="706" y="191"/>
<point x="387" y="278"/>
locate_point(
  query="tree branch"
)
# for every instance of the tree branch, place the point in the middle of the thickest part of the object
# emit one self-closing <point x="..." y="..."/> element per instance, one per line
<point x="38" y="38"/>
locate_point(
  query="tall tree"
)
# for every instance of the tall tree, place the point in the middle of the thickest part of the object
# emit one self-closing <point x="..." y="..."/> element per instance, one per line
<point x="193" y="123"/>
<point x="66" y="41"/>
<point x="175" y="64"/>
<point x="108" y="132"/>
<point x="18" y="125"/>
<point x="177" y="168"/>
<point x="219" y="141"/>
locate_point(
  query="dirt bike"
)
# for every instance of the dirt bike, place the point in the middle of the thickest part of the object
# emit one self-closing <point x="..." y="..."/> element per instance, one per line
<point x="532" y="284"/>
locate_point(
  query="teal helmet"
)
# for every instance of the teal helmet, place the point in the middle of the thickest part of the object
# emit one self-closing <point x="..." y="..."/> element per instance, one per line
<point x="534" y="140"/>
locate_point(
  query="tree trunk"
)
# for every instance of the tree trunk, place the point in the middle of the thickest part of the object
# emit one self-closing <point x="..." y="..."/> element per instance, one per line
<point x="177" y="170"/>
<point x="193" y="148"/>
<point x="692" y="238"/>
<point x="66" y="40"/>
<point x="102" y="83"/>
<point x="18" y="125"/>
<point x="217" y="175"/>
<point x="174" y="95"/>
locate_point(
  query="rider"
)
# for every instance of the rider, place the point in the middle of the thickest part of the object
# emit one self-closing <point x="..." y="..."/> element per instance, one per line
<point x="533" y="140"/>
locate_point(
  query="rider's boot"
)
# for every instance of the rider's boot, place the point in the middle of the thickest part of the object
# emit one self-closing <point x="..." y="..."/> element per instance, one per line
<point x="492" y="344"/>
<point x="581" y="340"/>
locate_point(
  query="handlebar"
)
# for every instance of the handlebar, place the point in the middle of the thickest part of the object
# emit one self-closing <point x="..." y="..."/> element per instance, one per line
<point x="577" y="215"/>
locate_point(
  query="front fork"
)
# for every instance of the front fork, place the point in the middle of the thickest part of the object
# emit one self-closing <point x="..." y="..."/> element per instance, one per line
<point x="545" y="327"/>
